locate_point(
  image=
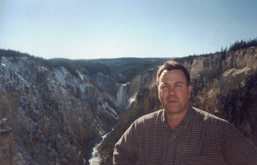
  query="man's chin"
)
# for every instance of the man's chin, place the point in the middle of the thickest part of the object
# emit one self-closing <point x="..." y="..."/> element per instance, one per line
<point x="176" y="109"/>
<point x="172" y="110"/>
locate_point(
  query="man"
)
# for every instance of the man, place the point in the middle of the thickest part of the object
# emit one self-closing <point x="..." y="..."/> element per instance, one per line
<point x="181" y="134"/>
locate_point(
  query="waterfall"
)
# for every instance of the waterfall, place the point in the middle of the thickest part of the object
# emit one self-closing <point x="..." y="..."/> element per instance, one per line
<point x="122" y="97"/>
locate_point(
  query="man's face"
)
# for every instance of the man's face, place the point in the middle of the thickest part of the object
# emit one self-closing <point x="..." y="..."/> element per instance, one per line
<point x="173" y="91"/>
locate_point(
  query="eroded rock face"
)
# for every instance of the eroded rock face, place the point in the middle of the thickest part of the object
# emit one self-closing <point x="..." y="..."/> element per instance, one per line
<point x="53" y="113"/>
<point x="8" y="152"/>
<point x="232" y="96"/>
<point x="205" y="68"/>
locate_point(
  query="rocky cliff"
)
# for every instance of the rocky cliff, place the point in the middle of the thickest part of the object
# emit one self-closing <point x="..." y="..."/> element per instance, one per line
<point x="8" y="152"/>
<point x="53" y="114"/>
<point x="224" y="84"/>
<point x="57" y="108"/>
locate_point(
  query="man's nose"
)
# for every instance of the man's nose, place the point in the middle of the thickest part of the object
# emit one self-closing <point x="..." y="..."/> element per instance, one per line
<point x="172" y="91"/>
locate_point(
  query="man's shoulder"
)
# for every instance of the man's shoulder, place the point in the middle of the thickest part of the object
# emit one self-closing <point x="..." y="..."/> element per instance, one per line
<point x="208" y="117"/>
<point x="150" y="117"/>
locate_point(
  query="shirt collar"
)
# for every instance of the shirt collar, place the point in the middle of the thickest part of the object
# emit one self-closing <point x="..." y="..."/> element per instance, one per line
<point x="184" y="122"/>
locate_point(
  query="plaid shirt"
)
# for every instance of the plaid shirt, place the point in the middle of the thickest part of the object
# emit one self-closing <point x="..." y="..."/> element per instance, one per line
<point x="201" y="138"/>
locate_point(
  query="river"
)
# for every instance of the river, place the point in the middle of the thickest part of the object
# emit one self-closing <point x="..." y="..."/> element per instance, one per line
<point x="95" y="157"/>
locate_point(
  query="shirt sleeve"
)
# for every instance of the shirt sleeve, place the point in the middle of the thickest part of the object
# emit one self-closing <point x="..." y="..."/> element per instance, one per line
<point x="126" y="149"/>
<point x="237" y="149"/>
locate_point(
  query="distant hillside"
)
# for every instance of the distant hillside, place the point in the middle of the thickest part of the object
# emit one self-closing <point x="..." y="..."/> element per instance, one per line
<point x="121" y="69"/>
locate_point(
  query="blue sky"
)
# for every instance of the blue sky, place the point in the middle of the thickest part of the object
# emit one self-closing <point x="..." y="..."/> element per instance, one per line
<point x="86" y="29"/>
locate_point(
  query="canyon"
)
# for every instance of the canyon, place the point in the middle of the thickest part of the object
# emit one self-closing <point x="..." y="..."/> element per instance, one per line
<point x="51" y="111"/>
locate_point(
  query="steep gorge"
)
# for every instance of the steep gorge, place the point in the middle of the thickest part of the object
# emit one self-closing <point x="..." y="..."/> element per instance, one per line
<point x="56" y="108"/>
<point x="50" y="113"/>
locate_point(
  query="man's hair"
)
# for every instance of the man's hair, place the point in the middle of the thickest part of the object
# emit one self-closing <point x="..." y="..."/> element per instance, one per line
<point x="173" y="65"/>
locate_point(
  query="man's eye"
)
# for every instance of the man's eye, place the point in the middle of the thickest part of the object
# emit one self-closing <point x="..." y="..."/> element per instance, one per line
<point x="164" y="87"/>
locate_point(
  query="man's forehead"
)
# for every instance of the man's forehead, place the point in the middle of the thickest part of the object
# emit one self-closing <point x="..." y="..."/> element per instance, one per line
<point x="172" y="82"/>
<point x="173" y="73"/>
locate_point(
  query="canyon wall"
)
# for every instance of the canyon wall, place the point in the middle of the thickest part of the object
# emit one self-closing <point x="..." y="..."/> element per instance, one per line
<point x="53" y="114"/>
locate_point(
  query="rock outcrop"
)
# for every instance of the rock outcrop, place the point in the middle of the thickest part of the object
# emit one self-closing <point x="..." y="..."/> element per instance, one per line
<point x="8" y="152"/>
<point x="53" y="113"/>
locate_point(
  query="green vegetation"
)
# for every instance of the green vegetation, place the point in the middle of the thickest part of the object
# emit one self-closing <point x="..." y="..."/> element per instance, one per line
<point x="234" y="47"/>
<point x="242" y="44"/>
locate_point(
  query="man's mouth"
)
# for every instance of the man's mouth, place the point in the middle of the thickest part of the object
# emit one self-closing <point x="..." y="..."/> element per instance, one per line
<point x="172" y="101"/>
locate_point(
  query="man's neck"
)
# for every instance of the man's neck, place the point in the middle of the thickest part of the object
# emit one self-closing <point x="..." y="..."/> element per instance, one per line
<point x="175" y="119"/>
